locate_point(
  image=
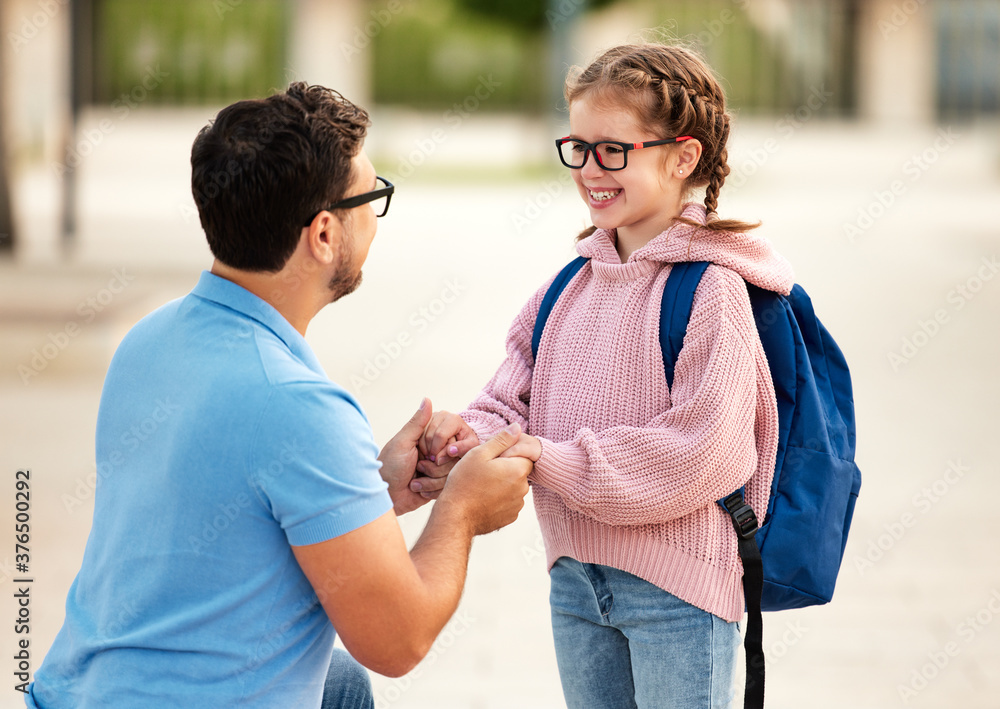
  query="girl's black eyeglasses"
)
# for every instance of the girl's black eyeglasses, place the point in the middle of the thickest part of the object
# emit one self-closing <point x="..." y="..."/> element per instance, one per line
<point x="381" y="193"/>
<point x="610" y="154"/>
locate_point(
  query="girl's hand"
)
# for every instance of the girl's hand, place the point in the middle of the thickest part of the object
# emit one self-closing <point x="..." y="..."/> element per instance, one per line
<point x="526" y="447"/>
<point x="446" y="436"/>
<point x="445" y="440"/>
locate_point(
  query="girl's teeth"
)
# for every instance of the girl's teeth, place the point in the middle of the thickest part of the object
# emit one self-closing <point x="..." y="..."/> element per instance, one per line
<point x="602" y="196"/>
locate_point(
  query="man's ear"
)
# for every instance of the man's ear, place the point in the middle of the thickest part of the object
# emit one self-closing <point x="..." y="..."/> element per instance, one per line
<point x="323" y="237"/>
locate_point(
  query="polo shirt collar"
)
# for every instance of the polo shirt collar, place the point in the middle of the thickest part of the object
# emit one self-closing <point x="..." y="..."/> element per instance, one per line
<point x="230" y="295"/>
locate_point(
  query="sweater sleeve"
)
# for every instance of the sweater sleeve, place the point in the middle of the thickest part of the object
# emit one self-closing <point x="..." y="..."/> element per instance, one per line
<point x="506" y="398"/>
<point x="699" y="450"/>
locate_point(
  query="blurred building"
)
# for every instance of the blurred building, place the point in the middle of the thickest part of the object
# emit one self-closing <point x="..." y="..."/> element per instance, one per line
<point x="67" y="55"/>
<point x="885" y="62"/>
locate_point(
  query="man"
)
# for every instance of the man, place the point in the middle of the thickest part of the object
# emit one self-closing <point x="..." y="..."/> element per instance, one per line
<point x="243" y="514"/>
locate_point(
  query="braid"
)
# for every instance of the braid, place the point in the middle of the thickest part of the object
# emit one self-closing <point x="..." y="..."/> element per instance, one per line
<point x="720" y="169"/>
<point x="710" y="123"/>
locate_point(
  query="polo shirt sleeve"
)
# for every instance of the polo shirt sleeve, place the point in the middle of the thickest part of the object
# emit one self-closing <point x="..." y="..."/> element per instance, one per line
<point x="314" y="463"/>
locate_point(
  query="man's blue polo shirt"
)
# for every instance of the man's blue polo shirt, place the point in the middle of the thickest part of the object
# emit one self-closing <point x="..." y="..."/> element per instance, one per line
<point x="220" y="443"/>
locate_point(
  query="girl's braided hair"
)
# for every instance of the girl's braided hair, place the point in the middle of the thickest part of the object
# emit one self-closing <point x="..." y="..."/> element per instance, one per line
<point x="672" y="90"/>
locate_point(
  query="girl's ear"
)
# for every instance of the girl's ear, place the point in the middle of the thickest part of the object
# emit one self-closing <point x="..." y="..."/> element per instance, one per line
<point x="688" y="156"/>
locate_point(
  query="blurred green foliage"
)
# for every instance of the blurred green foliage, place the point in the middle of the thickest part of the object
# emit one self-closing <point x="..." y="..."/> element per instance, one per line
<point x="439" y="54"/>
<point x="773" y="64"/>
<point x="529" y="15"/>
<point x="188" y="51"/>
<point x="524" y="14"/>
<point x="434" y="55"/>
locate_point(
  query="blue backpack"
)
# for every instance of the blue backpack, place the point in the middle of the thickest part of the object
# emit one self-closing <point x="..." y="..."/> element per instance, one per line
<point x="792" y="559"/>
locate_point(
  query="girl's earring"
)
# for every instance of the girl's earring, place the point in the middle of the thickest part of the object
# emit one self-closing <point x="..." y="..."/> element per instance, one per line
<point x="680" y="172"/>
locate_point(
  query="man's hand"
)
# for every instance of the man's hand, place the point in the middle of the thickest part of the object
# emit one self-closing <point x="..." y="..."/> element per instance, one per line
<point x="399" y="464"/>
<point x="388" y="604"/>
<point x="487" y="488"/>
<point x="526" y="447"/>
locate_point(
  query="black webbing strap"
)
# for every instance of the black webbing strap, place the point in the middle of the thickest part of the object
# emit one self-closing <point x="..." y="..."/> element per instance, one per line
<point x="745" y="524"/>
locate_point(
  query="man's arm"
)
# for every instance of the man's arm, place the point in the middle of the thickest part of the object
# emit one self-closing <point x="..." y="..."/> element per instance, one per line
<point x="387" y="604"/>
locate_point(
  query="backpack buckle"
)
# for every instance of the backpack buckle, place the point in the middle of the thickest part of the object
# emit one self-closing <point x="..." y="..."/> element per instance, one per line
<point x="744" y="518"/>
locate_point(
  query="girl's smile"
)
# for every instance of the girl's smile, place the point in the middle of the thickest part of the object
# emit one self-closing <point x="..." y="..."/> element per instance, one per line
<point x="601" y="198"/>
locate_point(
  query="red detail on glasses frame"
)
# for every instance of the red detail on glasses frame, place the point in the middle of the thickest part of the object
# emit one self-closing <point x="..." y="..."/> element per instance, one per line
<point x="637" y="146"/>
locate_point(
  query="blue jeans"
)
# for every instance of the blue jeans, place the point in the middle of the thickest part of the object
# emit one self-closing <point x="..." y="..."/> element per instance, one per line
<point x="348" y="685"/>
<point x="622" y="642"/>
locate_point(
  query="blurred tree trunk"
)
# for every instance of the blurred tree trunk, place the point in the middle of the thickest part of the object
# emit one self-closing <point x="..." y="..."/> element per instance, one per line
<point x="6" y="215"/>
<point x="6" y="218"/>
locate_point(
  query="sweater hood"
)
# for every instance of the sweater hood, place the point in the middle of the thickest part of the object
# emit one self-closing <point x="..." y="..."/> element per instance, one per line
<point x="748" y="254"/>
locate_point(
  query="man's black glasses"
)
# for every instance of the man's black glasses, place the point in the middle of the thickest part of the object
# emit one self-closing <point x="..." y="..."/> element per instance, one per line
<point x="610" y="154"/>
<point x="380" y="207"/>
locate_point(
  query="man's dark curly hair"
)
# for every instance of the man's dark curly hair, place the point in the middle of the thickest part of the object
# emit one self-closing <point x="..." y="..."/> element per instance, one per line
<point x="264" y="166"/>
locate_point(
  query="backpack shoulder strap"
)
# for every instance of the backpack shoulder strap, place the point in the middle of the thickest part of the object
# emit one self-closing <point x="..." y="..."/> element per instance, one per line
<point x="675" y="311"/>
<point x="562" y="279"/>
<point x="781" y="339"/>
<point x="745" y="523"/>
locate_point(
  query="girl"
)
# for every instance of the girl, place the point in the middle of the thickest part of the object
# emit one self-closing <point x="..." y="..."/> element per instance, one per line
<point x="645" y="576"/>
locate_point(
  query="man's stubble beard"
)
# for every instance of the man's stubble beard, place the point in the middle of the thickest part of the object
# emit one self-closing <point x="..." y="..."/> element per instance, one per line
<point x="344" y="282"/>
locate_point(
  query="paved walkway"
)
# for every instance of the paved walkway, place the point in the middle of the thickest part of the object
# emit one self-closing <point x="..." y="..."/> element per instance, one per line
<point x="909" y="292"/>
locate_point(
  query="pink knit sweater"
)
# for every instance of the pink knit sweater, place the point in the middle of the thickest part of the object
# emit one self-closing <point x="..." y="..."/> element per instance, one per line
<point x="630" y="471"/>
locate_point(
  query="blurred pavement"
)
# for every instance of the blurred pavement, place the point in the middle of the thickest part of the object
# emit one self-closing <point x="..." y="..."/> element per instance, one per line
<point x="908" y="291"/>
